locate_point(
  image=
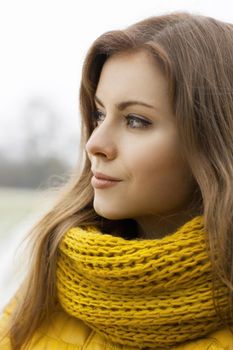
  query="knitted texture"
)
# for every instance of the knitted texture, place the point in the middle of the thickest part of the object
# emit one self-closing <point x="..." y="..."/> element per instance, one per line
<point x="149" y="294"/>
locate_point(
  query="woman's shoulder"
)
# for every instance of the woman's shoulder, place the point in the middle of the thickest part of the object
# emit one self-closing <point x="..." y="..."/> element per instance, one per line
<point x="218" y="340"/>
<point x="58" y="332"/>
<point x="62" y="332"/>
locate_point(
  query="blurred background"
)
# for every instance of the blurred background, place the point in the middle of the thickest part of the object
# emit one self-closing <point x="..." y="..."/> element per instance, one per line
<point x="43" y="44"/>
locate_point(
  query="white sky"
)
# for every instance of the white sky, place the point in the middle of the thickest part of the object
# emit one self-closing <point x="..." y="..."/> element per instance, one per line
<point x="43" y="44"/>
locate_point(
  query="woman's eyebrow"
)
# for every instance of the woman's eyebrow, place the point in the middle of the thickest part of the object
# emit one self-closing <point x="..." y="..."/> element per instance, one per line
<point x="122" y="105"/>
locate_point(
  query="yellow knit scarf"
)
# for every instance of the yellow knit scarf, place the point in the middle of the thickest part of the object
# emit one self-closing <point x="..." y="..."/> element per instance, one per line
<point x="140" y="293"/>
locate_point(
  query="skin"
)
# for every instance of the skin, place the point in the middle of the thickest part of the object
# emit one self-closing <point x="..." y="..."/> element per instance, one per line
<point x="157" y="184"/>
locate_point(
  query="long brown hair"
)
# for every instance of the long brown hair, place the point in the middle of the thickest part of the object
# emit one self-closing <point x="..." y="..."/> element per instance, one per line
<point x="196" y="55"/>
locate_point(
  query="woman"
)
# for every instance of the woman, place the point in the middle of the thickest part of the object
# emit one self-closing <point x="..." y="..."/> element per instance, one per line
<point x="137" y="253"/>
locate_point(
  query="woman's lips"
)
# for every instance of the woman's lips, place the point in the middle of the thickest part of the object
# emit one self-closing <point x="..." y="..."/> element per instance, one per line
<point x="103" y="183"/>
<point x="102" y="176"/>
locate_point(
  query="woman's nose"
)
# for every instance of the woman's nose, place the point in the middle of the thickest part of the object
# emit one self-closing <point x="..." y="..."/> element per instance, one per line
<point x="101" y="142"/>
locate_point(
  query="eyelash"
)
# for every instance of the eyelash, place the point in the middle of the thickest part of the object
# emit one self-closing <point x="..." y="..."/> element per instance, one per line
<point x="144" y="123"/>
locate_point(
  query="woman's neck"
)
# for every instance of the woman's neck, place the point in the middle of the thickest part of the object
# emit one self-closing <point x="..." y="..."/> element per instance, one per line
<point x="156" y="227"/>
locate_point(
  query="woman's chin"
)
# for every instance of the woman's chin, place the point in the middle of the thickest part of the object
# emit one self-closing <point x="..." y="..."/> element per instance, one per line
<point x="107" y="214"/>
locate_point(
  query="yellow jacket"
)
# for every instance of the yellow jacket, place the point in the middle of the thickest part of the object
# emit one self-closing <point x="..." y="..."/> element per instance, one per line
<point x="64" y="332"/>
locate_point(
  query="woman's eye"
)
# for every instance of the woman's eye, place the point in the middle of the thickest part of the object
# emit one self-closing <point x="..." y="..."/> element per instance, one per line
<point x="136" y="122"/>
<point x="98" y="117"/>
<point x="133" y="121"/>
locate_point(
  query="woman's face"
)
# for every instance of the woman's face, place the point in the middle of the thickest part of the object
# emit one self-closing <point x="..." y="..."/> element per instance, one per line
<point x="137" y="144"/>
